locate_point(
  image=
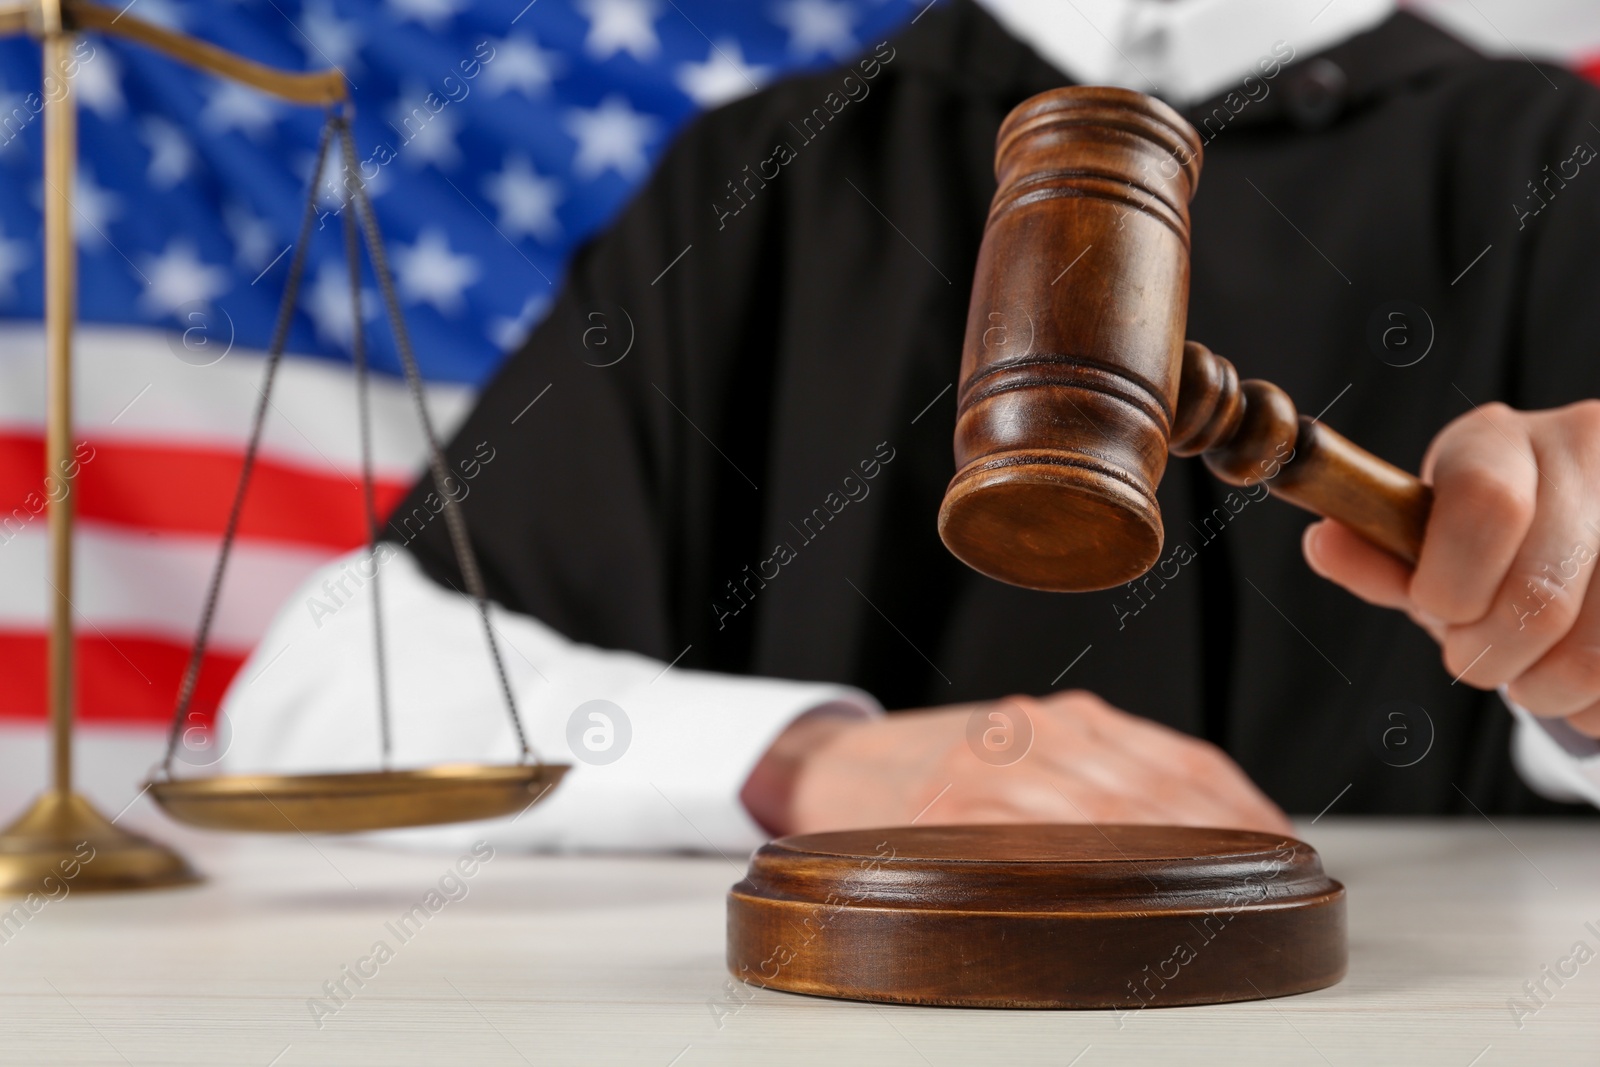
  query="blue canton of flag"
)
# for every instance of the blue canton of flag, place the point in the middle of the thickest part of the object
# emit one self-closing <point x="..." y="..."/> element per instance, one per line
<point x="495" y="137"/>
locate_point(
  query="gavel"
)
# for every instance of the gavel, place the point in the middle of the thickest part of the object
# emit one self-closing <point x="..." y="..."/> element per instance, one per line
<point x="1076" y="379"/>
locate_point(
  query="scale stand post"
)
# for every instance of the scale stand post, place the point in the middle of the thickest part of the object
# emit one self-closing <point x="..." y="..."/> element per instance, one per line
<point x="61" y="836"/>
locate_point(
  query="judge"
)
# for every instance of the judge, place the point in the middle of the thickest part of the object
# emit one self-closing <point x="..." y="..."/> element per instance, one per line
<point x="719" y="516"/>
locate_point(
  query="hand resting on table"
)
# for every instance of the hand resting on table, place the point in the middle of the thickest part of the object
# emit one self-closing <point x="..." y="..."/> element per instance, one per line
<point x="1087" y="762"/>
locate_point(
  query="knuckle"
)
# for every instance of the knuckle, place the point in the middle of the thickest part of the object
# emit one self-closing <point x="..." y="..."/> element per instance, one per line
<point x="1462" y="671"/>
<point x="1084" y="709"/>
<point x="1481" y="419"/>
<point x="1483" y="429"/>
<point x="1079" y="700"/>
<point x="1578" y="668"/>
<point x="1497" y="411"/>
<point x="1587" y="721"/>
<point x="1583" y="421"/>
<point x="1024" y="707"/>
<point x="1542" y="612"/>
<point x="1471" y="663"/>
<point x="1201" y="759"/>
<point x="1440" y="599"/>
<point x="1489" y="494"/>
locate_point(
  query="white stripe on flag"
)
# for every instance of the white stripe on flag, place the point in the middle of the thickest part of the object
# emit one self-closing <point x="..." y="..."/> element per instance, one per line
<point x="130" y="386"/>
<point x="132" y="583"/>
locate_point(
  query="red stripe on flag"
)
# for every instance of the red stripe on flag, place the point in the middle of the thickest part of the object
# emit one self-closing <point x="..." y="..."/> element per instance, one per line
<point x="1590" y="68"/>
<point x="189" y="491"/>
<point x="122" y="679"/>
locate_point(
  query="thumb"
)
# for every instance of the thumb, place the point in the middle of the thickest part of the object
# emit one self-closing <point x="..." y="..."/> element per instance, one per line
<point x="1339" y="554"/>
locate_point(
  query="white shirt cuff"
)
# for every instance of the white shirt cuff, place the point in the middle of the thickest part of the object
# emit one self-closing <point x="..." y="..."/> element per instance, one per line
<point x="1556" y="761"/>
<point x="661" y="770"/>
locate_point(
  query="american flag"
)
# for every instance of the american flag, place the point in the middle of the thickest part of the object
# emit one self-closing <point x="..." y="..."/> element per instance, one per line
<point x="495" y="137"/>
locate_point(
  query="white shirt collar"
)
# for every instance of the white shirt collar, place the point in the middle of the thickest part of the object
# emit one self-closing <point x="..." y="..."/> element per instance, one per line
<point x="1180" y="50"/>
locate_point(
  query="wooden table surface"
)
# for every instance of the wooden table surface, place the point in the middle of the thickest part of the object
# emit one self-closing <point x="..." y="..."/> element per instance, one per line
<point x="609" y="960"/>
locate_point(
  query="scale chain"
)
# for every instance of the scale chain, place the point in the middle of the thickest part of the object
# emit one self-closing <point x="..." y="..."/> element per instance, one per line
<point x="280" y="338"/>
<point x="455" y="523"/>
<point x="352" y="252"/>
<point x="355" y="193"/>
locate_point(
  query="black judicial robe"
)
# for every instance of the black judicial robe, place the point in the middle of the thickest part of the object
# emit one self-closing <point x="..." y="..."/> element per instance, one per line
<point x="745" y="397"/>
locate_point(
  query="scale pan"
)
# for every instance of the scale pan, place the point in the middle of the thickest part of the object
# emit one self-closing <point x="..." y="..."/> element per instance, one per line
<point x="350" y="803"/>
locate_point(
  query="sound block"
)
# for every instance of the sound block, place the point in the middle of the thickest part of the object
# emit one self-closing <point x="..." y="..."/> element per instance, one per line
<point x="1038" y="916"/>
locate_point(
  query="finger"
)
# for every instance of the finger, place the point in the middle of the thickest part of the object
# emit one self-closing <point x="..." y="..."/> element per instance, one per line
<point x="1587" y="721"/>
<point x="1188" y="805"/>
<point x="1566" y="679"/>
<point x="1162" y="800"/>
<point x="1021" y="793"/>
<point x="1193" y="781"/>
<point x="1211" y="789"/>
<point x="1486" y="486"/>
<point x="1197" y="765"/>
<point x="1541" y="594"/>
<point x="1081" y="755"/>
<point x="1101" y="766"/>
<point x="1190" y="782"/>
<point x="1339" y="554"/>
<point x="1089" y="801"/>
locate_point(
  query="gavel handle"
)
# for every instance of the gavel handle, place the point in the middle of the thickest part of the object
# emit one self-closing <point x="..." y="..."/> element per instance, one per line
<point x="1249" y="433"/>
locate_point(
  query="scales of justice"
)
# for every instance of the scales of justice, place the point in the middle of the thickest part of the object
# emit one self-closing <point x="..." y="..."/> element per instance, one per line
<point x="50" y="837"/>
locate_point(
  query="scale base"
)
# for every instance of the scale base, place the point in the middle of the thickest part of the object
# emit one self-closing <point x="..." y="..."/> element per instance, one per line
<point x="62" y="837"/>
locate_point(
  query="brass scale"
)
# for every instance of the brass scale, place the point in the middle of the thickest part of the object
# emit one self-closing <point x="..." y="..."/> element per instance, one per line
<point x="49" y="836"/>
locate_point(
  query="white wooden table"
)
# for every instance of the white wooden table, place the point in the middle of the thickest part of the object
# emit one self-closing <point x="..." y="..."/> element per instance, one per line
<point x="607" y="960"/>
<point x="558" y="960"/>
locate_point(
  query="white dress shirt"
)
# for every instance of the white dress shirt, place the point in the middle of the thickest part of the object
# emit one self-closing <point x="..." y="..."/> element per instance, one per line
<point x="688" y="740"/>
<point x="660" y="769"/>
<point x="1183" y="51"/>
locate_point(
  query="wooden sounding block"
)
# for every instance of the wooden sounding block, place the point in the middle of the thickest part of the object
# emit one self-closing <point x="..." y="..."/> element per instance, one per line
<point x="1038" y="916"/>
<point x="1076" y="380"/>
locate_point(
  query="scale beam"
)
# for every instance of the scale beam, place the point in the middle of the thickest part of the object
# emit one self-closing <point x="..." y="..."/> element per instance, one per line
<point x="322" y="87"/>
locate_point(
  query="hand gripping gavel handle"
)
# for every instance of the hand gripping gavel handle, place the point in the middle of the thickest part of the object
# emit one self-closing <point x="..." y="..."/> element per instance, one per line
<point x="1249" y="433"/>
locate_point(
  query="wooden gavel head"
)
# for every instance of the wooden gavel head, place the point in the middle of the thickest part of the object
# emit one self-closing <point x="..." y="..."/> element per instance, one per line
<point x="1076" y="380"/>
